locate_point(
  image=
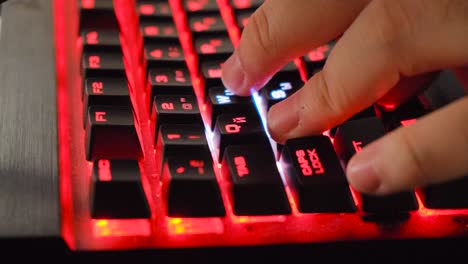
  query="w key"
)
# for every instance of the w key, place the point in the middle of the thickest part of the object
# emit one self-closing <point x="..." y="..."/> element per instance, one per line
<point x="316" y="176"/>
<point x="350" y="138"/>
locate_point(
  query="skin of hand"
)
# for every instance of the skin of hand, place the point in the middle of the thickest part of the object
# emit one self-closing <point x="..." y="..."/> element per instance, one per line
<point x="381" y="45"/>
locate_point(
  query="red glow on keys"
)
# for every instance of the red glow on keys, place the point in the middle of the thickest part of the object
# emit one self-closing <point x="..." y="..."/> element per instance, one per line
<point x="151" y="30"/>
<point x="146" y="9"/>
<point x="97" y="87"/>
<point x="192" y="226"/>
<point x="94" y="61"/>
<point x="173" y="136"/>
<point x="100" y="117"/>
<point x="87" y="4"/>
<point x="121" y="227"/>
<point x="357" y="146"/>
<point x="310" y="166"/>
<point x="242" y="3"/>
<point x="92" y="38"/>
<point x="241" y="166"/>
<point x="104" y="172"/>
<point x="157" y="53"/>
<point x="407" y="122"/>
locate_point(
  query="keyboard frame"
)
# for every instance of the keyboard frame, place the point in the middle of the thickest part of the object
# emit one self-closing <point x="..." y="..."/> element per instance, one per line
<point x="45" y="215"/>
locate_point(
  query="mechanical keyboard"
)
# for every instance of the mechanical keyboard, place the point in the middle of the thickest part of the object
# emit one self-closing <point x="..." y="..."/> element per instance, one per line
<point x="118" y="135"/>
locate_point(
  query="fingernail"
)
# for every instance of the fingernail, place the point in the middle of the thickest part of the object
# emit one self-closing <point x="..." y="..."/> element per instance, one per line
<point x="281" y="120"/>
<point x="233" y="75"/>
<point x="361" y="171"/>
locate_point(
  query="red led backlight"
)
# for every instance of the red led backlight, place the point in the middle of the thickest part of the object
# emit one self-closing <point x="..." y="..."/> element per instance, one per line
<point x="160" y="231"/>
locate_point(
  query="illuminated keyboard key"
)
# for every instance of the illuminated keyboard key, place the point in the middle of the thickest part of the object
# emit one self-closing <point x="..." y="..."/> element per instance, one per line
<point x="276" y="91"/>
<point x="242" y="17"/>
<point x="180" y="139"/>
<point x="211" y="73"/>
<point x="213" y="46"/>
<point x="191" y="186"/>
<point x="111" y="134"/>
<point x="237" y="129"/>
<point x="200" y="6"/>
<point x="117" y="191"/>
<point x="222" y="101"/>
<point x="315" y="174"/>
<point x="160" y="54"/>
<point x="169" y="80"/>
<point x="159" y="30"/>
<point x="105" y="91"/>
<point x="99" y="39"/>
<point x="349" y="139"/>
<point x="154" y="10"/>
<point x="206" y="23"/>
<point x="102" y="63"/>
<point x="174" y="109"/>
<point x="256" y="185"/>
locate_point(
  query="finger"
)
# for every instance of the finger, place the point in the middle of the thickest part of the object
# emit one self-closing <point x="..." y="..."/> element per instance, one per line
<point x="415" y="156"/>
<point x="389" y="40"/>
<point x="280" y="31"/>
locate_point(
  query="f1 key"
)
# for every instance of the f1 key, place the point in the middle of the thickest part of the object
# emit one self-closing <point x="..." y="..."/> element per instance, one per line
<point x="190" y="186"/>
<point x="315" y="174"/>
<point x="256" y="185"/>
<point x="111" y="133"/>
<point x="117" y="191"/>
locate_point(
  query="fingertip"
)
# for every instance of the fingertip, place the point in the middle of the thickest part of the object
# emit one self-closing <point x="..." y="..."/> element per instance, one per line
<point x="233" y="76"/>
<point x="361" y="172"/>
<point x="281" y="120"/>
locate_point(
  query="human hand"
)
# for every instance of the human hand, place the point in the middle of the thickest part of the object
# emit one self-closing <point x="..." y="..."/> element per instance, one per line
<point x="383" y="45"/>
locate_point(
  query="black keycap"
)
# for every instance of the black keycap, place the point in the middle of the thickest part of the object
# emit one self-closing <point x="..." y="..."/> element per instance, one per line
<point x="154" y="10"/>
<point x="191" y="187"/>
<point x="101" y="40"/>
<point x="102" y="63"/>
<point x="316" y="58"/>
<point x="246" y="4"/>
<point x="159" y="54"/>
<point x="276" y="91"/>
<point x="315" y="175"/>
<point x="180" y="139"/>
<point x="350" y="138"/>
<point x="288" y="72"/>
<point x="97" y="14"/>
<point x="213" y="46"/>
<point x="174" y="109"/>
<point x="353" y="135"/>
<point x="256" y="185"/>
<point x="200" y="6"/>
<point x="389" y="204"/>
<point x="447" y="195"/>
<point x="237" y="129"/>
<point x="222" y="101"/>
<point x="368" y="112"/>
<point x="206" y="23"/>
<point x="242" y="16"/>
<point x="159" y="30"/>
<point x="170" y="80"/>
<point x="117" y="190"/>
<point x="410" y="110"/>
<point x="111" y="134"/>
<point x="211" y="74"/>
<point x="105" y="91"/>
